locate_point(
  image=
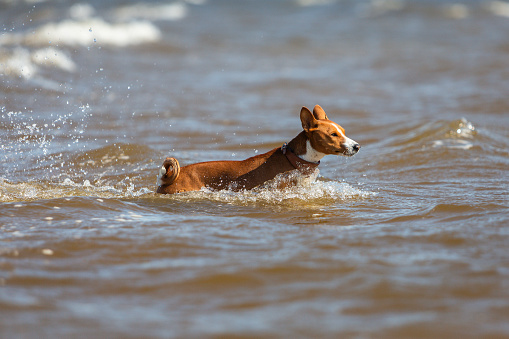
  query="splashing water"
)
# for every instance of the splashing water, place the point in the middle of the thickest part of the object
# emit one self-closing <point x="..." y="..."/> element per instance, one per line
<point x="306" y="191"/>
<point x="28" y="139"/>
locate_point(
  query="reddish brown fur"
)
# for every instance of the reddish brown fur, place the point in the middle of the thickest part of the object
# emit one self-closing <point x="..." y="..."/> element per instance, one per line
<point x="235" y="175"/>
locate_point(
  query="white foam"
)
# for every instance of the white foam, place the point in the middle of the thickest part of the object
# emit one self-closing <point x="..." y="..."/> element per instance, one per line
<point x="499" y="8"/>
<point x="453" y="144"/>
<point x="307" y="192"/>
<point x="53" y="57"/>
<point x="174" y="11"/>
<point x="81" y="11"/>
<point x="308" y="3"/>
<point x="86" y="32"/>
<point x="17" y="63"/>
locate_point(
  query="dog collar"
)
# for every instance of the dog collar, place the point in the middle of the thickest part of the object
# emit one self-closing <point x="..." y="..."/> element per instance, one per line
<point x="302" y="165"/>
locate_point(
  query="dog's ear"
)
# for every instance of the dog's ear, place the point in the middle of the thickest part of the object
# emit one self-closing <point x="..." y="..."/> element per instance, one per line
<point x="319" y="113"/>
<point x="307" y="119"/>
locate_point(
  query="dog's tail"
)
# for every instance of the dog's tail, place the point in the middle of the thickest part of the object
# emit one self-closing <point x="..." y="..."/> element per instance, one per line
<point x="169" y="172"/>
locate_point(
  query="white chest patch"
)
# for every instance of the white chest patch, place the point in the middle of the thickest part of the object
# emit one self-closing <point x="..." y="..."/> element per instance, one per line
<point x="311" y="155"/>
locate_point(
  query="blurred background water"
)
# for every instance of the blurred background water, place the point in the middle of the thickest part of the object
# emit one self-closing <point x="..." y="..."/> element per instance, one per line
<point x="406" y="239"/>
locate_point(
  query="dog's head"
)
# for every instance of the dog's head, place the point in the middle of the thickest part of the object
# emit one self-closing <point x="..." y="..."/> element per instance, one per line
<point x="325" y="135"/>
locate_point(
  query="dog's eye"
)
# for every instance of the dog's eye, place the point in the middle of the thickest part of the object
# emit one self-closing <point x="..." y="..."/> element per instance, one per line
<point x="334" y="134"/>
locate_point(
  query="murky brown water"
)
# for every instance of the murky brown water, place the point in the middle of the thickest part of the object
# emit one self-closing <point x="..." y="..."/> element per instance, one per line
<point x="408" y="239"/>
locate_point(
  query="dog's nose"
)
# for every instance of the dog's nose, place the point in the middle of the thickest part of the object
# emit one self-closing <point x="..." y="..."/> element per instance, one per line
<point x="356" y="147"/>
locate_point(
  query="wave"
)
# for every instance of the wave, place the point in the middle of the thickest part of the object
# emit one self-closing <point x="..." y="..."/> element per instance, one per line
<point x="447" y="212"/>
<point x="85" y="33"/>
<point x="45" y="190"/>
<point x="113" y="171"/>
<point x="459" y="133"/>
<point x="430" y="149"/>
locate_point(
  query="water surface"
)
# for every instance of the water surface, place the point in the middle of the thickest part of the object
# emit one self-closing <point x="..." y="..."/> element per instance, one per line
<point x="407" y="239"/>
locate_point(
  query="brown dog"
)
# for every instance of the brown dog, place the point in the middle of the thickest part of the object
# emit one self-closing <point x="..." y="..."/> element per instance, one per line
<point x="319" y="138"/>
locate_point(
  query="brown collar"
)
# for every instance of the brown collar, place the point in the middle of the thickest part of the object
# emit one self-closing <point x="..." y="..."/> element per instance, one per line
<point x="302" y="165"/>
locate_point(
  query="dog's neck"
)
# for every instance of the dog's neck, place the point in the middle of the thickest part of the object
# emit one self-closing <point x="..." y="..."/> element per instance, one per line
<point x="311" y="154"/>
<point x="301" y="146"/>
